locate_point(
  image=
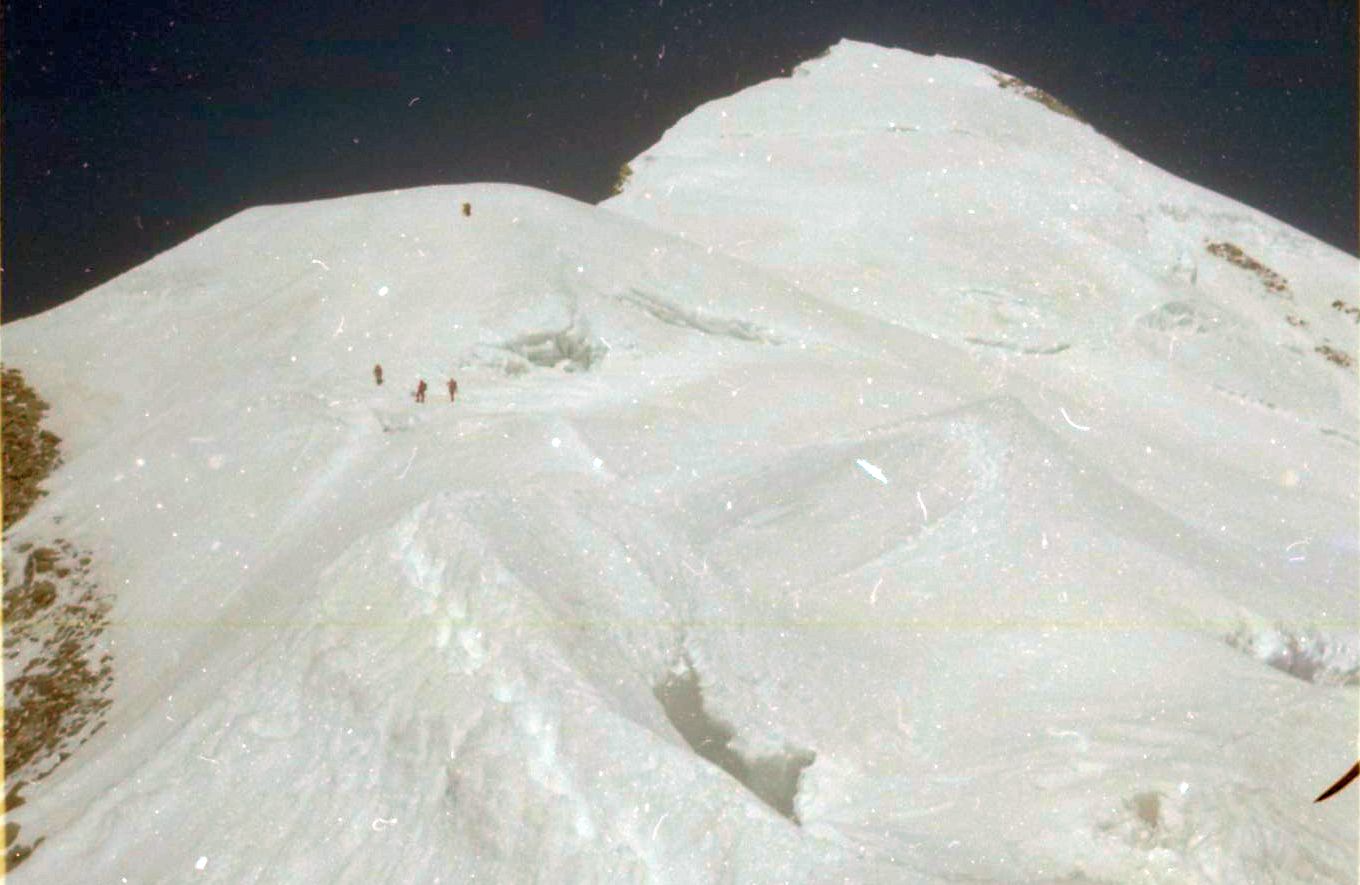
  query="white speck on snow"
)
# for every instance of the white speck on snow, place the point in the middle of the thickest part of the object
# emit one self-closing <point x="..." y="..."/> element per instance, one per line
<point x="409" y="462"/>
<point x="1070" y="421"/>
<point x="871" y="470"/>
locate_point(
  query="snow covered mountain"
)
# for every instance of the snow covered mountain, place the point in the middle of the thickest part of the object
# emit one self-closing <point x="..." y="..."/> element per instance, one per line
<point x="898" y="481"/>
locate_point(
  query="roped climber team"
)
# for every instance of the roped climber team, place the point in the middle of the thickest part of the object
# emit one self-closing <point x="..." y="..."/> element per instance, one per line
<point x="421" y="386"/>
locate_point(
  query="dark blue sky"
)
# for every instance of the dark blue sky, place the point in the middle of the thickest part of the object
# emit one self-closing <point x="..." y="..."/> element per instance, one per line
<point x="131" y="126"/>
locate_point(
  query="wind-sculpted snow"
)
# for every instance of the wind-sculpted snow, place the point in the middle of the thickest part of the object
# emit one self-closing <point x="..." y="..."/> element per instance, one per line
<point x="572" y="349"/>
<point x="1310" y="655"/>
<point x="896" y="482"/>
<point x="696" y="319"/>
<point x="773" y="777"/>
<point x="506" y="736"/>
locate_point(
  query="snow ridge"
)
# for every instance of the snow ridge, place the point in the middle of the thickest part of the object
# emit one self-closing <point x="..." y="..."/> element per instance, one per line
<point x="635" y="607"/>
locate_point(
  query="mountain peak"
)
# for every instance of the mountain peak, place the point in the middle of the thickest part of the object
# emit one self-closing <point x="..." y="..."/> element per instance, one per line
<point x="893" y="446"/>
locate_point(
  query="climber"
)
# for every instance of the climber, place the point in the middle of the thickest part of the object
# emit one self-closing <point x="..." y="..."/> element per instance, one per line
<point x="420" y="391"/>
<point x="377" y="373"/>
<point x="453" y="390"/>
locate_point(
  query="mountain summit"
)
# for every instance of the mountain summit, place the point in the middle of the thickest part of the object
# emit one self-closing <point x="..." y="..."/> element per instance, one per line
<point x="897" y="481"/>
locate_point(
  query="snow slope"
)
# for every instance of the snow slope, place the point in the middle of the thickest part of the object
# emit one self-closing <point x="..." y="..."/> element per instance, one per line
<point x="931" y="457"/>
